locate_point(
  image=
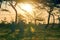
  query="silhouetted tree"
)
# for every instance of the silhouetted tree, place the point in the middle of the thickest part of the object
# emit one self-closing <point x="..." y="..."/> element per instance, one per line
<point x="11" y="4"/>
<point x="51" y="4"/>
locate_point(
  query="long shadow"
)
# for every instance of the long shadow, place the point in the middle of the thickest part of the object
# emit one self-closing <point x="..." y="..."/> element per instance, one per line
<point x="21" y="26"/>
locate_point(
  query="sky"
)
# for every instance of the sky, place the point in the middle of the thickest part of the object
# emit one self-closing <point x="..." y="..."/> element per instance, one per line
<point x="30" y="12"/>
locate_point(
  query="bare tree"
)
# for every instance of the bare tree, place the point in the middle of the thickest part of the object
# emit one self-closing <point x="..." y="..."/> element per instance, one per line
<point x="51" y="4"/>
<point x="11" y="4"/>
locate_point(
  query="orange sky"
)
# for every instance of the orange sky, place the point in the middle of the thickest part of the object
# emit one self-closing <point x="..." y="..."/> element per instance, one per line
<point x="11" y="15"/>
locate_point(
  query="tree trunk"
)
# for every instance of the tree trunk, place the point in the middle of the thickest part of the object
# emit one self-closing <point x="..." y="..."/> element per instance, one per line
<point x="14" y="24"/>
<point x="53" y="21"/>
<point x="48" y="21"/>
<point x="51" y="9"/>
<point x="15" y="12"/>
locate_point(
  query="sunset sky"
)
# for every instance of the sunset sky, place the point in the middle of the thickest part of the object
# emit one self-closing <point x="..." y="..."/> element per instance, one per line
<point x="26" y="8"/>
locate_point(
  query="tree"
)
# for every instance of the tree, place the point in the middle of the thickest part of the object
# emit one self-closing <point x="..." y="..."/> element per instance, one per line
<point x="51" y="4"/>
<point x="11" y="4"/>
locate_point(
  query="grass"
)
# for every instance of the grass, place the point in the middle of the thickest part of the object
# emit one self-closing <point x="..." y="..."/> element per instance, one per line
<point x="19" y="34"/>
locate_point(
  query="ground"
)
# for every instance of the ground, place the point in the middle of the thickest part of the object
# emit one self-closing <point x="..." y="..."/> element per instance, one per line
<point x="39" y="34"/>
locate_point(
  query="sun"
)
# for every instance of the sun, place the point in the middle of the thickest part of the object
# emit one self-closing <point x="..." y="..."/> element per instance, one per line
<point x="26" y="7"/>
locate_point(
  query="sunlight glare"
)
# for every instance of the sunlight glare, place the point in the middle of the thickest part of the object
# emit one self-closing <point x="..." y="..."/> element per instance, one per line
<point x="26" y="7"/>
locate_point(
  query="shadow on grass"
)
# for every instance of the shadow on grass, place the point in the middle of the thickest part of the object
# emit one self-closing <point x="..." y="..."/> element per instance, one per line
<point x="25" y="31"/>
